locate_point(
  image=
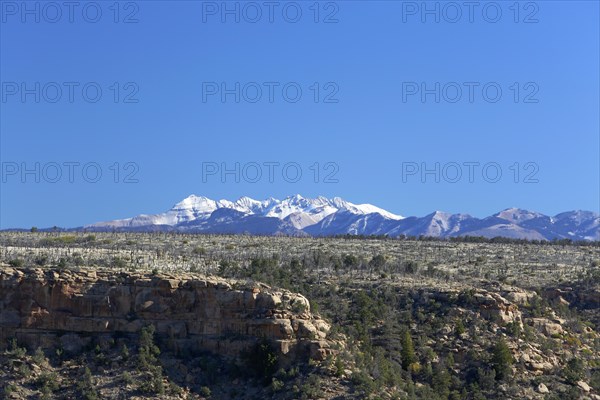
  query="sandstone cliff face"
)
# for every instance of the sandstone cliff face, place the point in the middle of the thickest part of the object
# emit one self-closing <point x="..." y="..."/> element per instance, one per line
<point x="67" y="308"/>
<point x="583" y="297"/>
<point x="489" y="305"/>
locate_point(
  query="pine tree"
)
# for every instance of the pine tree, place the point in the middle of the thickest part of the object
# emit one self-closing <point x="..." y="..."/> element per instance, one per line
<point x="501" y="359"/>
<point x="408" y="350"/>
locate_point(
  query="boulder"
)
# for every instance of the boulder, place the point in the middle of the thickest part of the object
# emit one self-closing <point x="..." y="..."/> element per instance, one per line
<point x="584" y="386"/>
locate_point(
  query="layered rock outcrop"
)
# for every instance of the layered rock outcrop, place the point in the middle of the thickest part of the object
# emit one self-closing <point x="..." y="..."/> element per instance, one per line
<point x="490" y="305"/>
<point x="583" y="297"/>
<point x="68" y="308"/>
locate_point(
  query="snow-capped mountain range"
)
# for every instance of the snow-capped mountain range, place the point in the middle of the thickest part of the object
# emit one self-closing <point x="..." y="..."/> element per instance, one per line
<point x="296" y="215"/>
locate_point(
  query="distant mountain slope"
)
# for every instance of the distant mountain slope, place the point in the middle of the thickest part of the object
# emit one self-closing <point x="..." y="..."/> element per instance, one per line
<point x="299" y="216"/>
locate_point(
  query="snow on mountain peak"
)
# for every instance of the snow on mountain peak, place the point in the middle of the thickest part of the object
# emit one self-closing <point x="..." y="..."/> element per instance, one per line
<point x="194" y="202"/>
<point x="324" y="216"/>
<point x="249" y="205"/>
<point x="517" y="215"/>
<point x="301" y="211"/>
<point x="363" y="208"/>
<point x="440" y="215"/>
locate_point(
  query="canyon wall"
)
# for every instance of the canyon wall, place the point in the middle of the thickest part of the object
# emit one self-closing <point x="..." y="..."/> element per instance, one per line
<point x="70" y="308"/>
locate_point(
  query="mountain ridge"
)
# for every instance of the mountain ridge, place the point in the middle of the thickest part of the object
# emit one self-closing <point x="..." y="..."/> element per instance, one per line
<point x="321" y="216"/>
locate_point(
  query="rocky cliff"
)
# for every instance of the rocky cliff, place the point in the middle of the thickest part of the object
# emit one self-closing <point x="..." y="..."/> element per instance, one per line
<point x="68" y="308"/>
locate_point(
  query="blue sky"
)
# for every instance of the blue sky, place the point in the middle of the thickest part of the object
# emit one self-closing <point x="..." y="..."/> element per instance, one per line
<point x="358" y="116"/>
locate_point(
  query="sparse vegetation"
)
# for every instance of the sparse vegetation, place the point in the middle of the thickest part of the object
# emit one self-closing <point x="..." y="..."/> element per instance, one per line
<point x="419" y="319"/>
